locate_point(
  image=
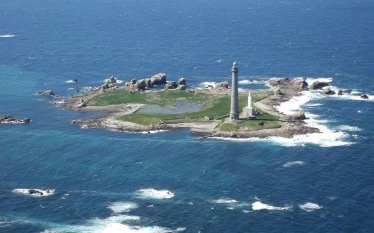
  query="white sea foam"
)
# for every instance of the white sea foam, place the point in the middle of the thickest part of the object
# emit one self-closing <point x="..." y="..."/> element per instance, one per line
<point x="207" y="85"/>
<point x="327" y="137"/>
<point x="153" y="131"/>
<point x="322" y="79"/>
<point x="247" y="82"/>
<point x="348" y="128"/>
<point x="35" y="192"/>
<point x="261" y="206"/>
<point x="121" y="207"/>
<point x="310" y="207"/>
<point x="312" y="105"/>
<point x="294" y="163"/>
<point x="225" y="201"/>
<point x="70" y="81"/>
<point x="230" y="203"/>
<point x="7" y="36"/>
<point x="152" y="193"/>
<point x="118" y="223"/>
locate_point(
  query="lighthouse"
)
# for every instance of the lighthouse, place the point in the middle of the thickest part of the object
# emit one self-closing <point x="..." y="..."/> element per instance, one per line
<point x="234" y="112"/>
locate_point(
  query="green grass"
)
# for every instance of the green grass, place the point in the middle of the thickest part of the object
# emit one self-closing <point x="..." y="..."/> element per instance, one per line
<point x="215" y="106"/>
<point x="162" y="98"/>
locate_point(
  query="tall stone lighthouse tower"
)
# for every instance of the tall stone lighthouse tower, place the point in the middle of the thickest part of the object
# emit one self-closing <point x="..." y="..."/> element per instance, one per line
<point x="234" y="112"/>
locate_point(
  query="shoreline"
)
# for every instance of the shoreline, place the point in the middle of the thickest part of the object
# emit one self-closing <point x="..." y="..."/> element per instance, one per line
<point x="289" y="127"/>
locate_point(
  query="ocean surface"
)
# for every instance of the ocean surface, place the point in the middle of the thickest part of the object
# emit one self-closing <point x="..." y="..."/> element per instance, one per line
<point x="96" y="180"/>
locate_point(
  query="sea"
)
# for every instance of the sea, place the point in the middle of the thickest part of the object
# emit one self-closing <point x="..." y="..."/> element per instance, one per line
<point x="97" y="180"/>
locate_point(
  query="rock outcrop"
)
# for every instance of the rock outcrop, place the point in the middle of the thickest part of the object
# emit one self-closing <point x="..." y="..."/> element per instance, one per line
<point x="48" y="93"/>
<point x="170" y="85"/>
<point x="297" y="84"/>
<point x="327" y="91"/>
<point x="158" y="79"/>
<point x="318" y="85"/>
<point x="8" y="119"/>
<point x="182" y="81"/>
<point x="364" y="96"/>
<point x="111" y="80"/>
<point x="277" y="81"/>
<point x="181" y="87"/>
<point x="222" y="85"/>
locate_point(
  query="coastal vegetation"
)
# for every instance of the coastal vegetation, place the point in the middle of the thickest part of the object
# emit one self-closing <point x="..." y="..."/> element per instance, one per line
<point x="215" y="107"/>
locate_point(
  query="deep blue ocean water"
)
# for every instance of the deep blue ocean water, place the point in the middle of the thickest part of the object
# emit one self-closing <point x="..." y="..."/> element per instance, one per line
<point x="108" y="181"/>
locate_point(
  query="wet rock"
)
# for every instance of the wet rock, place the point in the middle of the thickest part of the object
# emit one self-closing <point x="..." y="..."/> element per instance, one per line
<point x="340" y="92"/>
<point x="48" y="93"/>
<point x="8" y="119"/>
<point x="327" y="91"/>
<point x="33" y="192"/>
<point x="348" y="91"/>
<point x="364" y="96"/>
<point x="318" y="85"/>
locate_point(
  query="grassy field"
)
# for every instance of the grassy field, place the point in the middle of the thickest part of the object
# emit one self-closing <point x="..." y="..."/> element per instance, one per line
<point x="162" y="98"/>
<point x="216" y="108"/>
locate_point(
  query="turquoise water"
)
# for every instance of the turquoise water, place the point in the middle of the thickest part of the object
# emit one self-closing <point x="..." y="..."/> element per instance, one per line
<point x="108" y="181"/>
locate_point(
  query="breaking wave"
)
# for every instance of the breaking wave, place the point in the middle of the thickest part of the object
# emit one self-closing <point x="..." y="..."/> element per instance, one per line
<point x="309" y="207"/>
<point x="7" y="36"/>
<point x="35" y="192"/>
<point x="152" y="193"/>
<point x="261" y="206"/>
<point x="121" y="207"/>
<point x="294" y="163"/>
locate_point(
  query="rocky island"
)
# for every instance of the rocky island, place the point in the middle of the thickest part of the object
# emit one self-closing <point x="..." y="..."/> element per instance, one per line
<point x="135" y="107"/>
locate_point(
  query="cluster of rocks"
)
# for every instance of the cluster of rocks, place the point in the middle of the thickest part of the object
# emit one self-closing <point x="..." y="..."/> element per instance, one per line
<point x="8" y="119"/>
<point x="155" y="80"/>
<point x="300" y="84"/>
<point x="219" y="86"/>
<point x="49" y="93"/>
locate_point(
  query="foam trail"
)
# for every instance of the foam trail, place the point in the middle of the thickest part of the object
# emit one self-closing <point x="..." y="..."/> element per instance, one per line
<point x="7" y="36"/>
<point x="225" y="201"/>
<point x="152" y="193"/>
<point x="35" y="192"/>
<point x="349" y="128"/>
<point x="111" y="224"/>
<point x="230" y="203"/>
<point x="309" y="207"/>
<point x="294" y="163"/>
<point x="247" y="82"/>
<point x="261" y="206"/>
<point x="120" y="207"/>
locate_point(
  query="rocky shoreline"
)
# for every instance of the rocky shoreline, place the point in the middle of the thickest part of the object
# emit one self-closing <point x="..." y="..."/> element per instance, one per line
<point x="8" y="119"/>
<point x="284" y="90"/>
